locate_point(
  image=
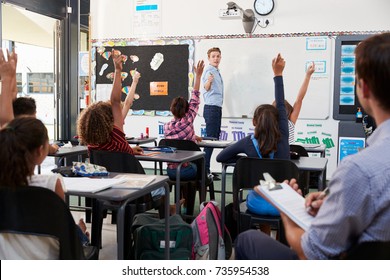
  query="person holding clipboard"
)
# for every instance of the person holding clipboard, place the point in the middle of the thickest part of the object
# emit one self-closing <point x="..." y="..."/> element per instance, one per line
<point x="357" y="209"/>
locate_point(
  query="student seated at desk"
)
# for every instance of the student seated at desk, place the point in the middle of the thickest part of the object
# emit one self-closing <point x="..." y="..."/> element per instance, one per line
<point x="26" y="106"/>
<point x="357" y="209"/>
<point x="23" y="145"/>
<point x="182" y="125"/>
<point x="100" y="125"/>
<point x="270" y="138"/>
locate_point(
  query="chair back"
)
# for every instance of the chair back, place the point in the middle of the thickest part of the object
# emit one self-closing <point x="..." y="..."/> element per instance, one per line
<point x="248" y="172"/>
<point x="39" y="211"/>
<point x="370" y="250"/>
<point x="300" y="150"/>
<point x="116" y="161"/>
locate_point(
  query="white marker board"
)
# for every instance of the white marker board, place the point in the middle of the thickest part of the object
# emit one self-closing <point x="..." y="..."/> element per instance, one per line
<point x="248" y="77"/>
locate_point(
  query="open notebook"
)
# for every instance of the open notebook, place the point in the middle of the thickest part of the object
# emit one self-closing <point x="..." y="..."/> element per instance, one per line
<point x="288" y="201"/>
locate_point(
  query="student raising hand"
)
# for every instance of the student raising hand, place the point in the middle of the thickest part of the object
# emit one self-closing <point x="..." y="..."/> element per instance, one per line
<point x="8" y="85"/>
<point x="278" y="64"/>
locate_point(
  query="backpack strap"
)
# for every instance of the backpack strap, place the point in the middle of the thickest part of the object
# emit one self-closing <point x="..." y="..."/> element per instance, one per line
<point x="256" y="144"/>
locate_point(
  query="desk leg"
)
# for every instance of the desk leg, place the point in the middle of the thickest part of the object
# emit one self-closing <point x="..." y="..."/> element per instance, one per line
<point x="121" y="229"/>
<point x="167" y="231"/>
<point x="177" y="188"/>
<point x="155" y="163"/>
<point x="223" y="193"/>
<point x="97" y="224"/>
<point x="203" y="182"/>
<point x="322" y="180"/>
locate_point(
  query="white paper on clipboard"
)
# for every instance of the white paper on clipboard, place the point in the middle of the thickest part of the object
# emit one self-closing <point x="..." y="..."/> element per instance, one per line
<point x="288" y="201"/>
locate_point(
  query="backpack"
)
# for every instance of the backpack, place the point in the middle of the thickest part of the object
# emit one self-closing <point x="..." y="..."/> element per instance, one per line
<point x="209" y="242"/>
<point x="149" y="238"/>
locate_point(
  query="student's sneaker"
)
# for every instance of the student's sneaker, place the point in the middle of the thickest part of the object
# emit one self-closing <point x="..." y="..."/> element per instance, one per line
<point x="216" y="177"/>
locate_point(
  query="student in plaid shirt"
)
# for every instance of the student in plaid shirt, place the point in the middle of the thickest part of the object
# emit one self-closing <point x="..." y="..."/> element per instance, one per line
<point x="182" y="125"/>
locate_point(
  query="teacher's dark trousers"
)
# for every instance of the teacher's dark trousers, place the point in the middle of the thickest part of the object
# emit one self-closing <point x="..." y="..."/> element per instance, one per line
<point x="212" y="116"/>
<point x="256" y="245"/>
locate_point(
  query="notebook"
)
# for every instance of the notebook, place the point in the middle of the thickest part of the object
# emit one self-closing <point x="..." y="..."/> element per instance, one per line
<point x="288" y="201"/>
<point x="92" y="185"/>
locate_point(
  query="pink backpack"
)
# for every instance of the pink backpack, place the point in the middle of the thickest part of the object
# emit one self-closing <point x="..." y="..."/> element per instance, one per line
<point x="208" y="238"/>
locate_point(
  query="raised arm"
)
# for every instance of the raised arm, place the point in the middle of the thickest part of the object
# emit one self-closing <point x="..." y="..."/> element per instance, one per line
<point x="283" y="148"/>
<point x="8" y="86"/>
<point x="193" y="104"/>
<point x="301" y="94"/>
<point x="117" y="90"/>
<point x="130" y="96"/>
<point x="198" y="74"/>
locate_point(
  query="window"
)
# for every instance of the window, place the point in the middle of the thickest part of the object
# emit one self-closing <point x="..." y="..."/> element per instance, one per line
<point x="40" y="83"/>
<point x="19" y="82"/>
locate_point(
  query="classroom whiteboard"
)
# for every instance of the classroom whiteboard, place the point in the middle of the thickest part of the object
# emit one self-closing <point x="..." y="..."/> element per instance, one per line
<point x="248" y="77"/>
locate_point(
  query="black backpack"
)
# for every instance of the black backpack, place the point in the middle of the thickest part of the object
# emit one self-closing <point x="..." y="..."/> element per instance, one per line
<point x="149" y="238"/>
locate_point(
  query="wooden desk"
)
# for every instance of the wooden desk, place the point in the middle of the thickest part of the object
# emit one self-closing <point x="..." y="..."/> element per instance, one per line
<point x="64" y="152"/>
<point x="215" y="144"/>
<point x="119" y="198"/>
<point x="180" y="157"/>
<point x="313" y="164"/>
<point x="315" y="148"/>
<point x="141" y="141"/>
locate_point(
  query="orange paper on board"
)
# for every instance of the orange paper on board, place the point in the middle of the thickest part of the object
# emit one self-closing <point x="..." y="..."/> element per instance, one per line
<point x="158" y="88"/>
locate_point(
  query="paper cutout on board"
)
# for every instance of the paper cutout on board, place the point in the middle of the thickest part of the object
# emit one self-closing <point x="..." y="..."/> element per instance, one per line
<point x="106" y="55"/>
<point x="157" y="60"/>
<point x="134" y="58"/>
<point x="104" y="67"/>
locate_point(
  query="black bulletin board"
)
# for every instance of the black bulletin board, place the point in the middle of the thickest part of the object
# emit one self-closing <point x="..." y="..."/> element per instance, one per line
<point x="174" y="70"/>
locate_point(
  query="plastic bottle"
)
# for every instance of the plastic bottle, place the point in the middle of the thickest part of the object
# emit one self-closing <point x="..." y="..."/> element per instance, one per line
<point x="359" y="115"/>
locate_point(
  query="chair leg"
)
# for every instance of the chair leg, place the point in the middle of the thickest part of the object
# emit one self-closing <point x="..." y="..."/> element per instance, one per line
<point x="189" y="193"/>
<point x="88" y="212"/>
<point x="211" y="191"/>
<point x="244" y="222"/>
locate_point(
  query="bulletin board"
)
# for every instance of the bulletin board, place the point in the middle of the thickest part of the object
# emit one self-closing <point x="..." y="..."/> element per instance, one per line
<point x="164" y="73"/>
<point x="345" y="100"/>
<point x="248" y="77"/>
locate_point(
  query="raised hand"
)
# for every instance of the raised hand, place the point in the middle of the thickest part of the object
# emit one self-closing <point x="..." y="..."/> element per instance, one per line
<point x="278" y="64"/>
<point x="199" y="68"/>
<point x="118" y="60"/>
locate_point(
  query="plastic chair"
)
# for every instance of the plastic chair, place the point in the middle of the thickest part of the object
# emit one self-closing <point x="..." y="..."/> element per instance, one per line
<point x="189" y="187"/>
<point x="370" y="250"/>
<point x="247" y="174"/>
<point x="39" y="211"/>
<point x="304" y="182"/>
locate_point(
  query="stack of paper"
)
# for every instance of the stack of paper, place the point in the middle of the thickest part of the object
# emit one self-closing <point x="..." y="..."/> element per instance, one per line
<point x="93" y="185"/>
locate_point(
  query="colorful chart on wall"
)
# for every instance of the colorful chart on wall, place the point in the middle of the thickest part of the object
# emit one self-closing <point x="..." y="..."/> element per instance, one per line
<point x="248" y="76"/>
<point x="164" y="69"/>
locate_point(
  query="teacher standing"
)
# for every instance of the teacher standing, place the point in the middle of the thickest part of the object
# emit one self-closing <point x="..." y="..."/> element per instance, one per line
<point x="213" y="100"/>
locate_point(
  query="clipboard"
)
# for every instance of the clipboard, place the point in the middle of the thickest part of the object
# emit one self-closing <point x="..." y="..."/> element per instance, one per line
<point x="286" y="200"/>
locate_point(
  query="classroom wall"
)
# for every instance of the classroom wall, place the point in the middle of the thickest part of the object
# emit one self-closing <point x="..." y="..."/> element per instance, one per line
<point x="183" y="18"/>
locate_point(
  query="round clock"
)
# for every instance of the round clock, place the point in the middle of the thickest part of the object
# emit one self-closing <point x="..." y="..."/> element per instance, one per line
<point x="264" y="7"/>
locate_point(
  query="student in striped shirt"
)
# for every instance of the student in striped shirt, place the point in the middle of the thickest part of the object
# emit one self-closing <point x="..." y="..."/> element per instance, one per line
<point x="100" y="125"/>
<point x="293" y="111"/>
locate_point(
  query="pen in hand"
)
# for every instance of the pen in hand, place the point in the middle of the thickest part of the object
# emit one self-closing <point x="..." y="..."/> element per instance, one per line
<point x="321" y="196"/>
